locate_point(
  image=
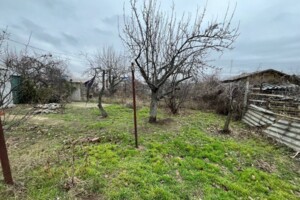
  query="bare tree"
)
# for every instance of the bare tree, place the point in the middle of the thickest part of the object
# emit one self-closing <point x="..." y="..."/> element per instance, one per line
<point x="230" y="91"/>
<point x="108" y="67"/>
<point x="175" y="92"/>
<point x="98" y="75"/>
<point x="101" y="93"/>
<point x="162" y="45"/>
<point x="114" y="65"/>
<point x="43" y="77"/>
<point x="28" y="79"/>
<point x="4" y="95"/>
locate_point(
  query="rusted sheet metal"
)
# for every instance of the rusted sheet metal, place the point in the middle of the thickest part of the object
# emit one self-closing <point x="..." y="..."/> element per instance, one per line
<point x="285" y="131"/>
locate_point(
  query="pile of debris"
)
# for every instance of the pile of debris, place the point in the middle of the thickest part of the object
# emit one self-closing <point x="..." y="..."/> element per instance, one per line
<point x="47" y="108"/>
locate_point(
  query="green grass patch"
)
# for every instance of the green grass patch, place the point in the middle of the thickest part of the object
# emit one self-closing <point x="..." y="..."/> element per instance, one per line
<point x="177" y="159"/>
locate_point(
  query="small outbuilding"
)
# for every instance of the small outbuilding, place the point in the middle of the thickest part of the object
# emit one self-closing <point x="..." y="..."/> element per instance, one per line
<point x="78" y="91"/>
<point x="270" y="76"/>
<point x="272" y="90"/>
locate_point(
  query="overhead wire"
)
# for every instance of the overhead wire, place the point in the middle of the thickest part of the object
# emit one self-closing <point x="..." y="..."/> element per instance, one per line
<point x="67" y="55"/>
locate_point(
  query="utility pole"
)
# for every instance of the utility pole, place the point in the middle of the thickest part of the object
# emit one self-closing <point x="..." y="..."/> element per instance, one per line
<point x="4" y="158"/>
<point x="134" y="106"/>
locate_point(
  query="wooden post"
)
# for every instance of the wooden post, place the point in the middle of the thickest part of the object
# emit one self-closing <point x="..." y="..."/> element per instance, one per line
<point x="134" y="106"/>
<point x="4" y="158"/>
<point x="246" y="97"/>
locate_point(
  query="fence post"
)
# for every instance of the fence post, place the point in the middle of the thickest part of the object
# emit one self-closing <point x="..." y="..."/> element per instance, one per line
<point x="4" y="158"/>
<point x="246" y="97"/>
<point x="134" y="106"/>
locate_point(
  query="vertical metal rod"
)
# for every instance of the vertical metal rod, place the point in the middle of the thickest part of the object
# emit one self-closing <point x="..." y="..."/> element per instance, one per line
<point x="4" y="158"/>
<point x="134" y="106"/>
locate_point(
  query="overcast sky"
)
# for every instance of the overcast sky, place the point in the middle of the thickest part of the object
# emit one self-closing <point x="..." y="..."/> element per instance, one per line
<point x="269" y="30"/>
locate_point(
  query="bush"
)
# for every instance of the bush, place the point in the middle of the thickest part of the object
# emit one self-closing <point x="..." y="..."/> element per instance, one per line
<point x="211" y="94"/>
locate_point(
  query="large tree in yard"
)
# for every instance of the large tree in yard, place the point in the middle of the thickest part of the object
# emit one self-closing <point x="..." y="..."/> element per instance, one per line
<point x="163" y="45"/>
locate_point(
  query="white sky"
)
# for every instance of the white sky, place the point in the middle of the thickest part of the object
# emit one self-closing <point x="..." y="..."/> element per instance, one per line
<point x="269" y="30"/>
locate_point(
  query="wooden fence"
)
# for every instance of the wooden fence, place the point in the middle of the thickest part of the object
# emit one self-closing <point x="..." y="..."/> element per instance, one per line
<point x="281" y="104"/>
<point x="284" y="129"/>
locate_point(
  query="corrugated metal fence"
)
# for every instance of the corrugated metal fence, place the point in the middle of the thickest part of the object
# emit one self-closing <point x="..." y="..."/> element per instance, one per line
<point x="284" y="129"/>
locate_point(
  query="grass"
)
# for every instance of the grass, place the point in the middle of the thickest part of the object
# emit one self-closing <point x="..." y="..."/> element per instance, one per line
<point x="181" y="157"/>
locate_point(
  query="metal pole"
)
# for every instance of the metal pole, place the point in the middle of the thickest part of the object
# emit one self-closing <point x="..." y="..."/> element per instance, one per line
<point x="134" y="106"/>
<point x="4" y="158"/>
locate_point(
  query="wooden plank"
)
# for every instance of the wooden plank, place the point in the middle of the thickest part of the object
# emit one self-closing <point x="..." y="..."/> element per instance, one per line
<point x="296" y="103"/>
<point x="257" y="101"/>
<point x="285" y="109"/>
<point x="287" y="117"/>
<point x="270" y="95"/>
<point x="259" y="109"/>
<point x="280" y="106"/>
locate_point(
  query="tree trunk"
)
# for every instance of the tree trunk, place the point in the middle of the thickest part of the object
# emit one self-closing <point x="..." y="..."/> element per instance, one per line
<point x="228" y="119"/>
<point x="153" y="106"/>
<point x="102" y="111"/>
<point x="227" y="122"/>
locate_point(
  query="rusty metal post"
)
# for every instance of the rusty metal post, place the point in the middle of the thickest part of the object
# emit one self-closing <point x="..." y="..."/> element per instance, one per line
<point x="4" y="158"/>
<point x="134" y="106"/>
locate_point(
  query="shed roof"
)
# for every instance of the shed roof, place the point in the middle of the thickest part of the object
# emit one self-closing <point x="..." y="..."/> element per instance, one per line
<point x="245" y="75"/>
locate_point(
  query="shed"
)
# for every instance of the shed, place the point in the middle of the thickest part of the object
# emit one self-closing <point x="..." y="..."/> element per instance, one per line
<point x="7" y="86"/>
<point x="259" y="77"/>
<point x="78" y="93"/>
<point x="15" y="82"/>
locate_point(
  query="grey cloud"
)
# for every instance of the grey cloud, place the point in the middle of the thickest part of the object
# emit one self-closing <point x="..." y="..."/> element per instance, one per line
<point x="70" y="39"/>
<point x="270" y="48"/>
<point x="38" y="32"/>
<point x="51" y="3"/>
<point x="269" y="30"/>
<point x="103" y="32"/>
<point x="112" y="20"/>
<point x="43" y="36"/>
<point x="30" y="25"/>
<point x="18" y="27"/>
<point x="61" y="8"/>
